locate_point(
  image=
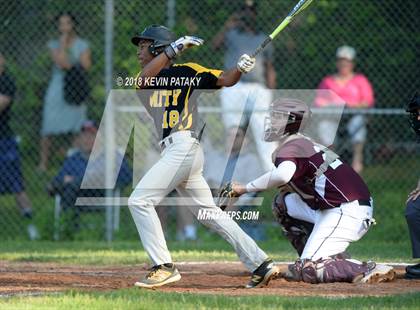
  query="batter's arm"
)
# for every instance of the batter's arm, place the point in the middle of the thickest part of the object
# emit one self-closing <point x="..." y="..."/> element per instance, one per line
<point x="153" y="68"/>
<point x="229" y="78"/>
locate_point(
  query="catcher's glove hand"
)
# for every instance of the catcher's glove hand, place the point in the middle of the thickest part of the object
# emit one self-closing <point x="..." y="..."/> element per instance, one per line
<point x="227" y="196"/>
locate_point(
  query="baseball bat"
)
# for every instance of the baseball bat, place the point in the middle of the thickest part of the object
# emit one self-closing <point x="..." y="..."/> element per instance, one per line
<point x="299" y="7"/>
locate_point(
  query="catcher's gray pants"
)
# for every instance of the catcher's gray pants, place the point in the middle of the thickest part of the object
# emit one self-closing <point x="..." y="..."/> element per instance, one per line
<point x="180" y="167"/>
<point x="412" y="214"/>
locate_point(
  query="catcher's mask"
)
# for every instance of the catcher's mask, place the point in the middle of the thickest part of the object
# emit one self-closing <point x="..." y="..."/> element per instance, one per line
<point x="160" y="36"/>
<point x="287" y="116"/>
<point x="414" y="115"/>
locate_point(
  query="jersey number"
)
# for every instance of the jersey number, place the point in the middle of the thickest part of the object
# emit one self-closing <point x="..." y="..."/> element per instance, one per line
<point x="173" y="119"/>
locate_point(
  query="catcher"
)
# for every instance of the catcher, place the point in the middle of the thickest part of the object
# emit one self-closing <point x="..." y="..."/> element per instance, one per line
<point x="322" y="204"/>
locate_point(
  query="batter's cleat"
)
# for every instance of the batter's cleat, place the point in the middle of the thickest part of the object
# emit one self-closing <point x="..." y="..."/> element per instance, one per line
<point x="159" y="275"/>
<point x="378" y="274"/>
<point x="263" y="274"/>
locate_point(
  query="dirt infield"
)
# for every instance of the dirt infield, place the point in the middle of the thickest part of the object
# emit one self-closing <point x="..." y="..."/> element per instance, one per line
<point x="213" y="278"/>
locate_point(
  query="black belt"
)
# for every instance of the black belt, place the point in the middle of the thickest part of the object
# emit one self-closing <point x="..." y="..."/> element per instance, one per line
<point x="170" y="140"/>
<point x="364" y="202"/>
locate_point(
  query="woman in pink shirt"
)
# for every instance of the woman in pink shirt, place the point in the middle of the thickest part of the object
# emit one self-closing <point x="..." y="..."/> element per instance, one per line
<point x="356" y="91"/>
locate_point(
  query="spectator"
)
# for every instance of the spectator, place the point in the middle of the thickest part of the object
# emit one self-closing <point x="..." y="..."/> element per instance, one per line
<point x="59" y="116"/>
<point x="11" y="179"/>
<point x="239" y="36"/>
<point x="241" y="164"/>
<point x="356" y="90"/>
<point x="412" y="212"/>
<point x="68" y="181"/>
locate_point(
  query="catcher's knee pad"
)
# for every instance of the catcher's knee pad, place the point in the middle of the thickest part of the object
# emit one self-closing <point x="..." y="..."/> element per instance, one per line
<point x="326" y="270"/>
<point x="296" y="231"/>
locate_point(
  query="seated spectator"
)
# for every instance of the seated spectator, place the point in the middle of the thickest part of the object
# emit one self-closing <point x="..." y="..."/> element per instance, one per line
<point x="11" y="179"/>
<point x="356" y="90"/>
<point x="68" y="181"/>
<point x="241" y="164"/>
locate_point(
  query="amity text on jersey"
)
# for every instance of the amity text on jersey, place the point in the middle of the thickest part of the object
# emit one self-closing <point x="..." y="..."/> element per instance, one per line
<point x="165" y="81"/>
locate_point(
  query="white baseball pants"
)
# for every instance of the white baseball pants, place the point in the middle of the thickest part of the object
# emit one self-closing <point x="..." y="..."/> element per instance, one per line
<point x="180" y="167"/>
<point x="334" y="229"/>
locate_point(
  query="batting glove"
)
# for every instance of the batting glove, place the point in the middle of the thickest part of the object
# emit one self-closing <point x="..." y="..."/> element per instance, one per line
<point x="175" y="48"/>
<point x="245" y="63"/>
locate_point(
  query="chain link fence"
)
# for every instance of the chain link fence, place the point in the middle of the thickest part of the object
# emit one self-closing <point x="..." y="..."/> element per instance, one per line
<point x="41" y="131"/>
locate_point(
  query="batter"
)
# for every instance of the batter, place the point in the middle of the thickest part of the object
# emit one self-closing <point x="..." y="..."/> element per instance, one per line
<point x="173" y="108"/>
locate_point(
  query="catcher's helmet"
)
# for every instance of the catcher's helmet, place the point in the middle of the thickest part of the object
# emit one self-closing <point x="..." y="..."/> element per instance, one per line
<point x="414" y="108"/>
<point x="159" y="35"/>
<point x="287" y="116"/>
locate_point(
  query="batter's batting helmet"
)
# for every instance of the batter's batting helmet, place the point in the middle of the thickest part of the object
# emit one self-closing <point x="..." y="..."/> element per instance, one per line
<point x="159" y="35"/>
<point x="414" y="108"/>
<point x="287" y="116"/>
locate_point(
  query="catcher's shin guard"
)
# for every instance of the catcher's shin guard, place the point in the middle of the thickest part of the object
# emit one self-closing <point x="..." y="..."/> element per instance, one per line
<point x="328" y="270"/>
<point x="296" y="231"/>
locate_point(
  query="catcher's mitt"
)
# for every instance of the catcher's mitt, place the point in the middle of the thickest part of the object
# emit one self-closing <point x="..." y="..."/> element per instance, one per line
<point x="227" y="196"/>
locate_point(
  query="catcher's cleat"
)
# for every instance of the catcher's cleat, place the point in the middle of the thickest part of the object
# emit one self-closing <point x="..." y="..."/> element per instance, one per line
<point x="263" y="274"/>
<point x="158" y="276"/>
<point x="377" y="274"/>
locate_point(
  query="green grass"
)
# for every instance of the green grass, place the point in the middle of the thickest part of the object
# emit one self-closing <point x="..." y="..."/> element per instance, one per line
<point x="122" y="253"/>
<point x="387" y="242"/>
<point x="127" y="253"/>
<point x="141" y="299"/>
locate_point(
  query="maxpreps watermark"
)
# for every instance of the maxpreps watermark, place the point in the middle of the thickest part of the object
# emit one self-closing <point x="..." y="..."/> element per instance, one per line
<point x="204" y="214"/>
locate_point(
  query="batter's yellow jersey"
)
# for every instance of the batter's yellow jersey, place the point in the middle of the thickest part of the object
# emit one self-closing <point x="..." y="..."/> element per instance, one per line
<point x="171" y="97"/>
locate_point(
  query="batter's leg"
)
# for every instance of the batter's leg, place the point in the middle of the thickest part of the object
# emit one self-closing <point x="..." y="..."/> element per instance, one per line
<point x="159" y="181"/>
<point x="141" y="204"/>
<point x="197" y="189"/>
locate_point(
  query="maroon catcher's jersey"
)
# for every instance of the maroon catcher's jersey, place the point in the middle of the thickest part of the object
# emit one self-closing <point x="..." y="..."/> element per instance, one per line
<point x="337" y="185"/>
